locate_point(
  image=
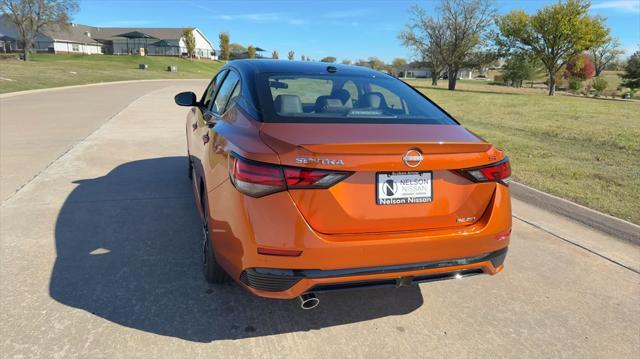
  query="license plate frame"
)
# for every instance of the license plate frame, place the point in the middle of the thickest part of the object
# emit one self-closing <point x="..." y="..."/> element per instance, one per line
<point x="420" y="196"/>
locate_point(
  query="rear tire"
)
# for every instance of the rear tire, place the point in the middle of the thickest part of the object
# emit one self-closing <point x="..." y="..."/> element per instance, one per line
<point x="212" y="271"/>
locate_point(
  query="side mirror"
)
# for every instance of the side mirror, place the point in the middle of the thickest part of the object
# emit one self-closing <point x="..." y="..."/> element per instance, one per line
<point x="186" y="99"/>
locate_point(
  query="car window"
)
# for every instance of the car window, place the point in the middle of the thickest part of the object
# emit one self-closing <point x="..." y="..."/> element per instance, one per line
<point x="308" y="88"/>
<point x="208" y="94"/>
<point x="352" y="89"/>
<point x="390" y="98"/>
<point x="308" y="98"/>
<point x="224" y="93"/>
<point x="234" y="96"/>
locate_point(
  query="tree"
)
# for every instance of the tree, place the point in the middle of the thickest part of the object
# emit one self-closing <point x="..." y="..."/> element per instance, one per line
<point x="481" y="59"/>
<point x="425" y="36"/>
<point x="251" y="52"/>
<point x="555" y="34"/>
<point x="32" y="16"/>
<point x="398" y="62"/>
<point x="189" y="41"/>
<point x="605" y="54"/>
<point x="631" y="75"/>
<point x="328" y="59"/>
<point x="580" y="67"/>
<point x="224" y="46"/>
<point x="235" y="48"/>
<point x="376" y="64"/>
<point x="275" y="55"/>
<point x="303" y="58"/>
<point x="291" y="55"/>
<point x="448" y="39"/>
<point x="520" y="67"/>
<point x="346" y="61"/>
<point x="599" y="85"/>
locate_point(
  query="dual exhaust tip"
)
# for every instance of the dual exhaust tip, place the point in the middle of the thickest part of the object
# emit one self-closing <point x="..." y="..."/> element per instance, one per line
<point x="308" y="301"/>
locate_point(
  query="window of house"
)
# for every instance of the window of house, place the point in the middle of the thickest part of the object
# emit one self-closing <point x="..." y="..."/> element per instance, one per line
<point x="75" y="47"/>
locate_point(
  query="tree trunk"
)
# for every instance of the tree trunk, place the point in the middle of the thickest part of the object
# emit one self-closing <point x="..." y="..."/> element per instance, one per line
<point x="552" y="84"/>
<point x="598" y="71"/>
<point x="434" y="78"/>
<point x="26" y="47"/>
<point x="453" y="77"/>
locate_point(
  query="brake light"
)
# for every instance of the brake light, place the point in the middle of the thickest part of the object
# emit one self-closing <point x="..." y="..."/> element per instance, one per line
<point x="254" y="178"/>
<point x="497" y="172"/>
<point x="258" y="179"/>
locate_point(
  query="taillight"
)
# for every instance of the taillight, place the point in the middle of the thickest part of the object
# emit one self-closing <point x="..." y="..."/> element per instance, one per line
<point x="258" y="179"/>
<point x="254" y="178"/>
<point x="496" y="172"/>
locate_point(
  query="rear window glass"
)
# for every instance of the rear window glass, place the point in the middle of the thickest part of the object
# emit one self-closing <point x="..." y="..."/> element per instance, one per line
<point x="333" y="98"/>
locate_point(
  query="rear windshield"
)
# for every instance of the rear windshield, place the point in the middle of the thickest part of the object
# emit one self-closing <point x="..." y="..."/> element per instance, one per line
<point x="334" y="98"/>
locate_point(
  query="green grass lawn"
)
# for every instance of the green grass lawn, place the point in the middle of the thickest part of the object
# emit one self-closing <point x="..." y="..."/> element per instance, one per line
<point x="47" y="70"/>
<point x="583" y="149"/>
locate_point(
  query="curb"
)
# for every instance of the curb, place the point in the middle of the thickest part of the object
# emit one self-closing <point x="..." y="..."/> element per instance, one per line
<point x="27" y="92"/>
<point x="603" y="222"/>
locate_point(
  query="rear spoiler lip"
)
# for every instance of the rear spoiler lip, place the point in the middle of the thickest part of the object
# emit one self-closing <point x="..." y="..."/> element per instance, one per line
<point x="374" y="148"/>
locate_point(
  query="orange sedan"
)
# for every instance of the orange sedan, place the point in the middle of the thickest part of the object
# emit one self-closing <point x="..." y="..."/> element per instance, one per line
<point x="313" y="177"/>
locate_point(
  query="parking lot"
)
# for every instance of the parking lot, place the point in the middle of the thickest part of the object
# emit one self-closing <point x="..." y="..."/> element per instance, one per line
<point x="100" y="257"/>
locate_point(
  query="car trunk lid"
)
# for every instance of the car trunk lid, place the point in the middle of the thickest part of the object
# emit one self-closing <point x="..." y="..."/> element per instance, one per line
<point x="371" y="150"/>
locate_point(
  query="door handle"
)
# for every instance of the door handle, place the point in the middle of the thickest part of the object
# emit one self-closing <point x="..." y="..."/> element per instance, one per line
<point x="205" y="138"/>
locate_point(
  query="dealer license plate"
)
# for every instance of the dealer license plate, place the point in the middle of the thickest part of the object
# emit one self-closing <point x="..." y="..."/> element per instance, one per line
<point x="404" y="187"/>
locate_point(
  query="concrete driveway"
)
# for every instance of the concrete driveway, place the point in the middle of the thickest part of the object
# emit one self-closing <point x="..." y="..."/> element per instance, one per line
<point x="38" y="128"/>
<point x="99" y="257"/>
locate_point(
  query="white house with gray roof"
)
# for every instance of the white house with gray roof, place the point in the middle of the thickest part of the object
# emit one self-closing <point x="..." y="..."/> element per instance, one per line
<point x="84" y="39"/>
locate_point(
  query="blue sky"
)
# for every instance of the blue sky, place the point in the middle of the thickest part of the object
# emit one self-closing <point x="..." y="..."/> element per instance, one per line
<point x="344" y="29"/>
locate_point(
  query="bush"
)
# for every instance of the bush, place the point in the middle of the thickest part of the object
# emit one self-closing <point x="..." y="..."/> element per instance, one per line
<point x="613" y="93"/>
<point x="575" y="84"/>
<point x="498" y="79"/>
<point x="599" y="85"/>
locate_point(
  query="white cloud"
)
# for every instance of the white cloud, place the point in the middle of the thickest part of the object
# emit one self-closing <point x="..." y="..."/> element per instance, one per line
<point x="625" y="5"/>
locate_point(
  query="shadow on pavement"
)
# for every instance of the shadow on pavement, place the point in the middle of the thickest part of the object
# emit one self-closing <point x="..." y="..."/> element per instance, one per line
<point x="128" y="251"/>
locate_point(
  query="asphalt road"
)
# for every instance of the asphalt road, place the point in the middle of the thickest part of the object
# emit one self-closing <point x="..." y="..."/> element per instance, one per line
<point x="99" y="257"/>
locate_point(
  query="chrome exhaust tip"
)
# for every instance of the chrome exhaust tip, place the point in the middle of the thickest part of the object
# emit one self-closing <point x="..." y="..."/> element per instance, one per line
<point x="308" y="301"/>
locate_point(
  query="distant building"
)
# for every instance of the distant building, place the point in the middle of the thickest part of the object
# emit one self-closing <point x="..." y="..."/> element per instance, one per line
<point x="84" y="39"/>
<point x="419" y="70"/>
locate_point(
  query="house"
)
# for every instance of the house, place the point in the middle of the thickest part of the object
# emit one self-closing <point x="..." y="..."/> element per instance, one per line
<point x="154" y="41"/>
<point x="420" y="69"/>
<point x="72" y="40"/>
<point x="416" y="69"/>
<point x="85" y="39"/>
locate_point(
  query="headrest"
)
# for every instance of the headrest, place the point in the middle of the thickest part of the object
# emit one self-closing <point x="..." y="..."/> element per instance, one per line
<point x="288" y="104"/>
<point x="373" y="100"/>
<point x="329" y="104"/>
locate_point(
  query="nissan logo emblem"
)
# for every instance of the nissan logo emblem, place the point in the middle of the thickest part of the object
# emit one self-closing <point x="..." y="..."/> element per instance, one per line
<point x="413" y="158"/>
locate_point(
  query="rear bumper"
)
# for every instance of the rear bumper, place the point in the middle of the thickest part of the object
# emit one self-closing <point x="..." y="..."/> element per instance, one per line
<point x="241" y="225"/>
<point x="284" y="283"/>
